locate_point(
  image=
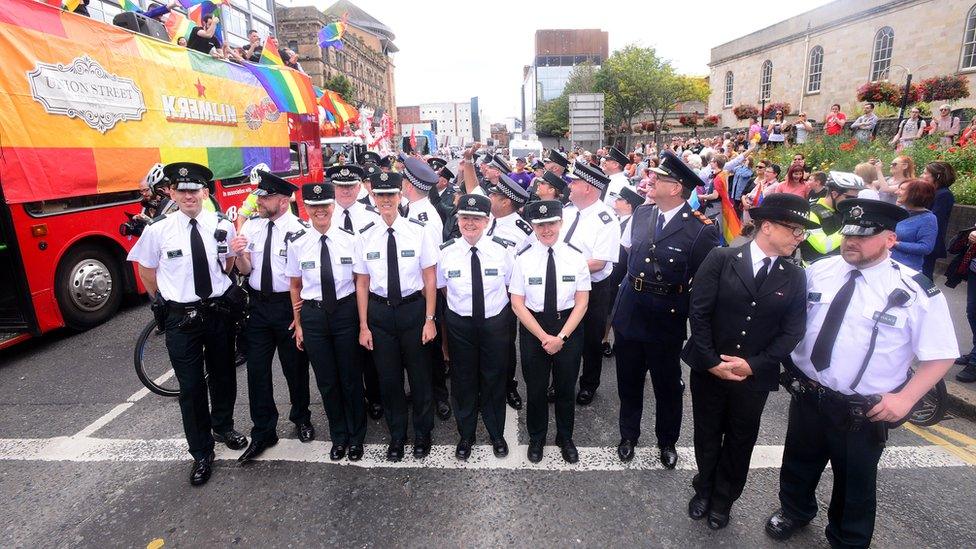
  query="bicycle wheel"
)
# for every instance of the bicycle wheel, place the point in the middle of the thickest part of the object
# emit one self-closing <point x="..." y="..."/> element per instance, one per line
<point x="152" y="362"/>
<point x="932" y="408"/>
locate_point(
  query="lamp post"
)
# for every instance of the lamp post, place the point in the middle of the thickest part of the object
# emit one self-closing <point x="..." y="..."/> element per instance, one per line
<point x="762" y="111"/>
<point x="906" y="92"/>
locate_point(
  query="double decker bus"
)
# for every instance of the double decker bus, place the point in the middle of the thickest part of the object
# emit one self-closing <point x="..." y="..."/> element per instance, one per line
<point x="85" y="110"/>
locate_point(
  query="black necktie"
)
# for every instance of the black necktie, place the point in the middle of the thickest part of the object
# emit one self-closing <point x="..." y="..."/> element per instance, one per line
<point x="266" y="285"/>
<point x="494" y="222"/>
<point x="477" y="289"/>
<point x="572" y="229"/>
<point x="393" y="270"/>
<point x="201" y="269"/>
<point x="549" y="305"/>
<point x="763" y="272"/>
<point x="824" y="346"/>
<point x="347" y="222"/>
<point x="327" y="280"/>
<point x="660" y="225"/>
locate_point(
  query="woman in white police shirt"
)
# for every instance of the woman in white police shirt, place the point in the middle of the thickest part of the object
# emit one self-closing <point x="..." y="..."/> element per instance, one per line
<point x="550" y="290"/>
<point x="326" y="321"/>
<point x="474" y="271"/>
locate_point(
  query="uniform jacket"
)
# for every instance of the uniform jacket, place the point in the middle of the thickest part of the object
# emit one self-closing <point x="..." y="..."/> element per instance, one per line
<point x="730" y="316"/>
<point x="671" y="258"/>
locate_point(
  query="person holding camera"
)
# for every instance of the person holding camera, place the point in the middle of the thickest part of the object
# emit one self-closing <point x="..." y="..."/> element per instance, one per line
<point x="183" y="259"/>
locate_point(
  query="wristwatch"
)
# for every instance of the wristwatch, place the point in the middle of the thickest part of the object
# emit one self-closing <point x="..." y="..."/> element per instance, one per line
<point x="562" y="336"/>
<point x="430" y="317"/>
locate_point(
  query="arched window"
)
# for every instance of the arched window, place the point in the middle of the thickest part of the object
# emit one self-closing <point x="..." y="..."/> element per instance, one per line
<point x="729" y="80"/>
<point x="884" y="40"/>
<point x="969" y="41"/>
<point x="815" y="69"/>
<point x="766" y="81"/>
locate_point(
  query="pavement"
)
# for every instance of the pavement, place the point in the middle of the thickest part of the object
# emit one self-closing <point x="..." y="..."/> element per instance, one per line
<point x="90" y="458"/>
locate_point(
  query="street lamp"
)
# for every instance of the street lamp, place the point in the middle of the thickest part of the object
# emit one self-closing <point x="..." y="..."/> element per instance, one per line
<point x="908" y="88"/>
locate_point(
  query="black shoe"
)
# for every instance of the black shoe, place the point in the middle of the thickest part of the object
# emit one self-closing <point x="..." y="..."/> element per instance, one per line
<point x="625" y="450"/>
<point x="780" y="527"/>
<point x="568" y="450"/>
<point x="717" y="521"/>
<point x="607" y="349"/>
<point x="375" y="410"/>
<point x="463" y="450"/>
<point x="514" y="399"/>
<point x="964" y="359"/>
<point x="669" y="456"/>
<point x="355" y="452"/>
<point x="201" y="471"/>
<point x="306" y="433"/>
<point x="233" y="439"/>
<point x="499" y="447"/>
<point x="255" y="449"/>
<point x="551" y="394"/>
<point x="584" y="397"/>
<point x="967" y="374"/>
<point x="443" y="410"/>
<point x="698" y="507"/>
<point x="421" y="448"/>
<point x="394" y="452"/>
<point x="535" y="451"/>
<point x="338" y="452"/>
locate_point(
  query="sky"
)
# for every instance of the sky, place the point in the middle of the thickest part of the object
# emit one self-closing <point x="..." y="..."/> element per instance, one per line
<point x="451" y="51"/>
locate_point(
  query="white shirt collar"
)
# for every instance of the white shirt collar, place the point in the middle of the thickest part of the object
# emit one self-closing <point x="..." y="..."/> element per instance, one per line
<point x="757" y="255"/>
<point x="671" y="213"/>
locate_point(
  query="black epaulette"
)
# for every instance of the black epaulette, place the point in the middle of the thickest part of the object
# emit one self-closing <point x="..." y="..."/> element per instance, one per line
<point x="372" y="208"/>
<point x="570" y="244"/>
<point x="345" y="230"/>
<point x="291" y="237"/>
<point x="305" y="224"/>
<point x="422" y="216"/>
<point x="447" y="243"/>
<point x="926" y="284"/>
<point x="418" y="222"/>
<point x="503" y="241"/>
<point x="367" y="227"/>
<point x="523" y="250"/>
<point x="605" y="217"/>
<point x="157" y="219"/>
<point x="526" y="228"/>
<point x="702" y="217"/>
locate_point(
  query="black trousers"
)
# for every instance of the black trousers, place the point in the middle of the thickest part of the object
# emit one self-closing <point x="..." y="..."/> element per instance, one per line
<point x="511" y="359"/>
<point x="594" y="325"/>
<point x="662" y="359"/>
<point x="267" y="331"/>
<point x="397" y="346"/>
<point x="811" y="441"/>
<point x="371" y="380"/>
<point x="537" y="365"/>
<point x="727" y="415"/>
<point x="332" y="344"/>
<point x="479" y="371"/>
<point x="208" y="341"/>
<point x="438" y="374"/>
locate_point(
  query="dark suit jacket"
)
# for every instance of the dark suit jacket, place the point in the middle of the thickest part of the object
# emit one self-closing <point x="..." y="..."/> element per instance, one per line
<point x="730" y="316"/>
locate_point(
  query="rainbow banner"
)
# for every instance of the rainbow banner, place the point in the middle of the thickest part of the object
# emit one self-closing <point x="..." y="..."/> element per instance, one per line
<point x="178" y="26"/>
<point x="330" y="36"/>
<point x="290" y="90"/>
<point x="270" y="54"/>
<point x="198" y="11"/>
<point x="731" y="226"/>
<point x="87" y="108"/>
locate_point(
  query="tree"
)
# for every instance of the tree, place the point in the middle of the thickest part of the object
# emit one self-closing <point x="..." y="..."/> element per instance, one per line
<point x="341" y="85"/>
<point x="669" y="89"/>
<point x="552" y="117"/>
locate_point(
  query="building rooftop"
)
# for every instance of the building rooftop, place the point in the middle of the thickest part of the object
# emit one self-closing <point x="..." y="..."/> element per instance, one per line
<point x="364" y="21"/>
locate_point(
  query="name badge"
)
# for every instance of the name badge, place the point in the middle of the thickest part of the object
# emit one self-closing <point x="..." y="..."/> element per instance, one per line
<point x="283" y="253"/>
<point x="491" y="272"/>
<point x="308" y="265"/>
<point x="221" y="248"/>
<point x="885" y="318"/>
<point x="813" y="296"/>
<point x="569" y="278"/>
<point x="172" y="254"/>
<point x="345" y="261"/>
<point x="453" y="274"/>
<point x="407" y="253"/>
<point x="372" y="255"/>
<point x="535" y="281"/>
<point x="250" y="246"/>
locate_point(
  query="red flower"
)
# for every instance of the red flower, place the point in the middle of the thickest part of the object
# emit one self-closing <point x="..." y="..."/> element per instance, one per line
<point x="847" y="147"/>
<point x="953" y="149"/>
<point x="932" y="146"/>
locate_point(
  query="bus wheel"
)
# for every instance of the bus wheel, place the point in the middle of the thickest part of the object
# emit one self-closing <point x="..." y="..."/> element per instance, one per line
<point x="88" y="286"/>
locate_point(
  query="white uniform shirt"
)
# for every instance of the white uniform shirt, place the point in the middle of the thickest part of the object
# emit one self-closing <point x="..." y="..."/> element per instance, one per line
<point x="512" y="228"/>
<point x="425" y="212"/>
<point x="626" y="239"/>
<point x="360" y="214"/>
<point x="454" y="273"/>
<point x="415" y="248"/>
<point x="757" y="259"/>
<point x="597" y="235"/>
<point x="303" y="261"/>
<point x="256" y="231"/>
<point x="529" y="275"/>
<point x="617" y="181"/>
<point x="165" y="246"/>
<point x="922" y="328"/>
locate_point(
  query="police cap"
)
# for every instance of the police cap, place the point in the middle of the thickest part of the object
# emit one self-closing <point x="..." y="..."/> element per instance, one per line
<point x="419" y="173"/>
<point x="188" y="176"/>
<point x="866" y="217"/>
<point x="511" y="190"/>
<point x="474" y="204"/>
<point x="386" y="182"/>
<point x="346" y="174"/>
<point x="543" y="211"/>
<point x="316" y="194"/>
<point x="272" y="184"/>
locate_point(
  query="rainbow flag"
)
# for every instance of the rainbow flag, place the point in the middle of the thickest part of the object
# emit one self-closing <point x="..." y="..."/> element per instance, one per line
<point x="333" y="104"/>
<point x="178" y="26"/>
<point x="731" y="226"/>
<point x="70" y="5"/>
<point x="290" y="90"/>
<point x="199" y="10"/>
<point x="330" y="36"/>
<point x="129" y="5"/>
<point x="187" y="4"/>
<point x="270" y="54"/>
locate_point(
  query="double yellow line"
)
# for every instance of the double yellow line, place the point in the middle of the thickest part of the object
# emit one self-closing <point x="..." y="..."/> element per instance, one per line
<point x="963" y="448"/>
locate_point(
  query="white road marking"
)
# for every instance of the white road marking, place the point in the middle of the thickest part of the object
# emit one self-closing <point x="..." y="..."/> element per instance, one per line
<point x="87" y="449"/>
<point x="118" y="410"/>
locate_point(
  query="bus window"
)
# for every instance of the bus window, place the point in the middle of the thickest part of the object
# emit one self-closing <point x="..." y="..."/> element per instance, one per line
<point x="303" y="158"/>
<point x="295" y="167"/>
<point x="80" y="203"/>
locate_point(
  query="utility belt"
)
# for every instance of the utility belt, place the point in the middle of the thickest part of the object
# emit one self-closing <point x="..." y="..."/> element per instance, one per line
<point x="844" y="412"/>
<point x="319" y="304"/>
<point x="558" y="315"/>
<point x="268" y="297"/>
<point x="403" y="301"/>
<point x="642" y="285"/>
<point x="190" y="315"/>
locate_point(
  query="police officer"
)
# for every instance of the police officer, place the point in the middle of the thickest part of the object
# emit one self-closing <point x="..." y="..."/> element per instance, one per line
<point x="474" y="272"/>
<point x="590" y="225"/>
<point x="748" y="311"/>
<point x="261" y="250"/>
<point x="507" y="198"/>
<point x="184" y="256"/>
<point x="550" y="291"/>
<point x="396" y="300"/>
<point x="613" y="165"/>
<point x="666" y="243"/>
<point x="352" y="215"/>
<point x="551" y="187"/>
<point x="558" y="164"/>
<point x="320" y="261"/>
<point x="627" y="201"/>
<point x="849" y="385"/>
<point x="826" y="239"/>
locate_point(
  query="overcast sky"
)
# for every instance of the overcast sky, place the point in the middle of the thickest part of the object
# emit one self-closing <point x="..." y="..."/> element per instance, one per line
<point x="452" y="50"/>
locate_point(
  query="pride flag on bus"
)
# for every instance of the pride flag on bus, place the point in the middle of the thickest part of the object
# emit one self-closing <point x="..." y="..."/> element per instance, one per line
<point x="290" y="90"/>
<point x="270" y="54"/>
